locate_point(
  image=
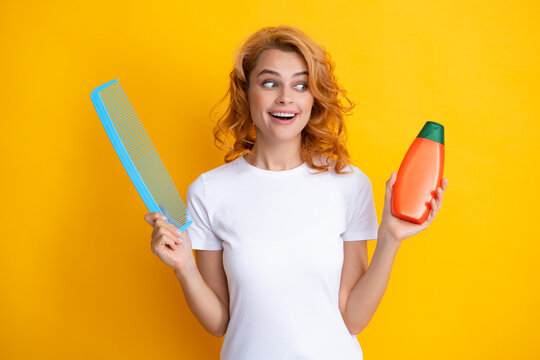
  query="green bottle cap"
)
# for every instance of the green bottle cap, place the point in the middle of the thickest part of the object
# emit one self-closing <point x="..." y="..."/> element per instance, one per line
<point x="433" y="131"/>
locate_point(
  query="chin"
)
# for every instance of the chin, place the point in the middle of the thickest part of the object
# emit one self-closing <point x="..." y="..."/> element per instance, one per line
<point x="286" y="137"/>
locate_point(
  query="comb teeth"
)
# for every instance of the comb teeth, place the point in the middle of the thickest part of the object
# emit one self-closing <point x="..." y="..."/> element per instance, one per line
<point x="129" y="137"/>
<point x="125" y="121"/>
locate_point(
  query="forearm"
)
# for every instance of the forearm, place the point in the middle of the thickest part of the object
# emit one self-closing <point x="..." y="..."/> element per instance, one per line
<point x="207" y="307"/>
<point x="369" y="290"/>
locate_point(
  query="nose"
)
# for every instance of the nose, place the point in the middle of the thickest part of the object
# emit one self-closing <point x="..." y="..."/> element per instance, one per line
<point x="284" y="96"/>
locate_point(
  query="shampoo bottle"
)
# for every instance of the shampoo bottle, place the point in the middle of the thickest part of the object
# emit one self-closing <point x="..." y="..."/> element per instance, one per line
<point x="419" y="175"/>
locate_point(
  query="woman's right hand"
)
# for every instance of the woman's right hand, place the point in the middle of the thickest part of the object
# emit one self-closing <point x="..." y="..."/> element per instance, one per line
<point x="173" y="248"/>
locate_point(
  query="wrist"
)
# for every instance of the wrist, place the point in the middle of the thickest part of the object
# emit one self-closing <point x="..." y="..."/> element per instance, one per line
<point x="386" y="238"/>
<point x="185" y="270"/>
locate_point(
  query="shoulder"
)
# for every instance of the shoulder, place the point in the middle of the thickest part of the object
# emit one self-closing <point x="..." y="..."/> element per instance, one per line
<point x="217" y="176"/>
<point x="350" y="174"/>
<point x="227" y="169"/>
<point x="357" y="183"/>
<point x="359" y="176"/>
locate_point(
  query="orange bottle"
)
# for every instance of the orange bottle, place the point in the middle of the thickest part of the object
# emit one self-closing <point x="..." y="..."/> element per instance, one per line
<point x="419" y="175"/>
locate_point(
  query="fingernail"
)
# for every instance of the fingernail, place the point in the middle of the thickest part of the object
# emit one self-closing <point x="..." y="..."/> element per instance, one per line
<point x="178" y="232"/>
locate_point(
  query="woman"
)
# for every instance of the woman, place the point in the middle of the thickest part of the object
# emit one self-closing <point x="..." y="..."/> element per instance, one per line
<point x="279" y="230"/>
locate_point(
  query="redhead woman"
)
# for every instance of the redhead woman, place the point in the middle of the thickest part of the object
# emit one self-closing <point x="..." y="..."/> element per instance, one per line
<point x="280" y="230"/>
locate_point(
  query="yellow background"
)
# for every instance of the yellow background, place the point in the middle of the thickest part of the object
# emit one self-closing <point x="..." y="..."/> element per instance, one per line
<point x="78" y="279"/>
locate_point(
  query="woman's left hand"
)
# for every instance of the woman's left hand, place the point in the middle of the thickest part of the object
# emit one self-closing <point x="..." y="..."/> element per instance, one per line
<point x="398" y="229"/>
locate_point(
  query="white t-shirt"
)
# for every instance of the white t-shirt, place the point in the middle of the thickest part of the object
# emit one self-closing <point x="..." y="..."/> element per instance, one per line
<point x="282" y="236"/>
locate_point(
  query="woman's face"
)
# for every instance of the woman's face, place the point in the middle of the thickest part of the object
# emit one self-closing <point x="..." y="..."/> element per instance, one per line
<point x="279" y="99"/>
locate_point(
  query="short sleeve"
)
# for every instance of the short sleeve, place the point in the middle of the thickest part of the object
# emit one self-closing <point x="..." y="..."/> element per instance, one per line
<point x="362" y="224"/>
<point x="200" y="231"/>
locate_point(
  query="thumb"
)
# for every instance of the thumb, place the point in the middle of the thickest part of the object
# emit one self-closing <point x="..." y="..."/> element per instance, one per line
<point x="393" y="178"/>
<point x="389" y="185"/>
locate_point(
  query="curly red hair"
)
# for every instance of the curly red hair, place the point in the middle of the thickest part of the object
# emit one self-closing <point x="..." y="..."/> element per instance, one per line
<point x="325" y="133"/>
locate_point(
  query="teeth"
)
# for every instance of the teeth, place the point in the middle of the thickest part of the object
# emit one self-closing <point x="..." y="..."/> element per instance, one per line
<point x="289" y="115"/>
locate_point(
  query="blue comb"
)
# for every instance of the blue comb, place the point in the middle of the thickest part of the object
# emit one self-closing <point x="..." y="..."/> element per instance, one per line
<point x="138" y="155"/>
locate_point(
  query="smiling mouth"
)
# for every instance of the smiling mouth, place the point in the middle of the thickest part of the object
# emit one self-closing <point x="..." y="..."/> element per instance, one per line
<point x="282" y="116"/>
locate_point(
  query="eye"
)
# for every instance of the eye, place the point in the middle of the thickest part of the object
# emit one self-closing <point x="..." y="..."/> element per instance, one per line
<point x="269" y="83"/>
<point x="301" y="86"/>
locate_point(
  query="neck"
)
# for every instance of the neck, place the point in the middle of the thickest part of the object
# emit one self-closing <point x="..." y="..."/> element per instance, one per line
<point x="276" y="157"/>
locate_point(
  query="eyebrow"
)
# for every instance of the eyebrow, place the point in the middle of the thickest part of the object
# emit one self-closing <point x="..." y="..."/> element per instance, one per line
<point x="266" y="71"/>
